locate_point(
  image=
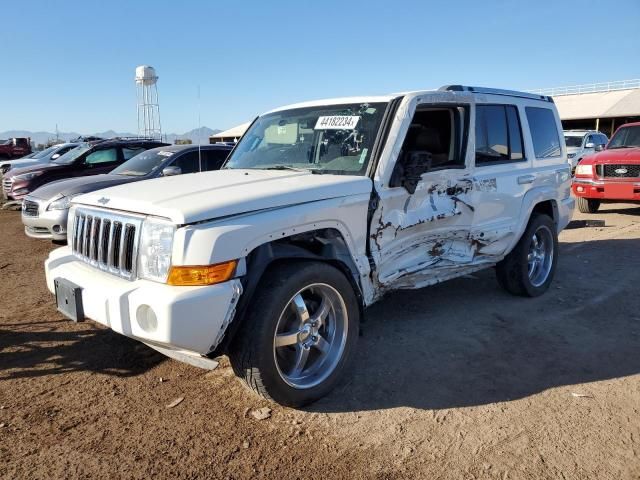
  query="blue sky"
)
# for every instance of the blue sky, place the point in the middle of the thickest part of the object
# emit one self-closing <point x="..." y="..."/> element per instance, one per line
<point x="72" y="62"/>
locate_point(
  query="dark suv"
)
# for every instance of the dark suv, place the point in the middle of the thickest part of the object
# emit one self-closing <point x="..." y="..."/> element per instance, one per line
<point x="88" y="158"/>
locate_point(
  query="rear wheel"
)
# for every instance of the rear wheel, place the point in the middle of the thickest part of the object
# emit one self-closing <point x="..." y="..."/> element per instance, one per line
<point x="529" y="268"/>
<point x="587" y="205"/>
<point x="299" y="334"/>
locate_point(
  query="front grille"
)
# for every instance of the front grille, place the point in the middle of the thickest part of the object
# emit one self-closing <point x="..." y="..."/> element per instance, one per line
<point x="29" y="208"/>
<point x="619" y="171"/>
<point x="6" y="185"/>
<point x="106" y="240"/>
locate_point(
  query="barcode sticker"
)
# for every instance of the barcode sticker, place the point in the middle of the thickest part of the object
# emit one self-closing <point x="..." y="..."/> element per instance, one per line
<point x="337" y="122"/>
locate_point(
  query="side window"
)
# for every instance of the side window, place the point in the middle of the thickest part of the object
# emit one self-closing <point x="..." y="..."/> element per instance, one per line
<point x="102" y="156"/>
<point x="188" y="162"/>
<point x="128" y="152"/>
<point x="602" y="139"/>
<point x="64" y="150"/>
<point x="435" y="138"/>
<point x="589" y="139"/>
<point x="213" y="159"/>
<point x="544" y="132"/>
<point x="498" y="134"/>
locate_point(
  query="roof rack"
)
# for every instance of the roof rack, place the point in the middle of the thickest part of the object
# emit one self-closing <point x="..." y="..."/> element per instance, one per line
<point x="495" y="91"/>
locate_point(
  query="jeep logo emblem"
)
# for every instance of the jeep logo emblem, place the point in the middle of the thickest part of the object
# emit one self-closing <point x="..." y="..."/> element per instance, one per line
<point x="621" y="171"/>
<point x="104" y="200"/>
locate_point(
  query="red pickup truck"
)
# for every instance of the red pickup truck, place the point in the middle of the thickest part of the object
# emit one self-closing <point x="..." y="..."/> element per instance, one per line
<point x="15" y="147"/>
<point x="612" y="174"/>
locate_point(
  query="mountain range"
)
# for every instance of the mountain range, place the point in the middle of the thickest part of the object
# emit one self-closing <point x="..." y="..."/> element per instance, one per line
<point x="38" y="138"/>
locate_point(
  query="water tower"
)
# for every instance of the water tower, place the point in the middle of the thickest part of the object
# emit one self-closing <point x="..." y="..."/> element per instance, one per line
<point x="148" y="106"/>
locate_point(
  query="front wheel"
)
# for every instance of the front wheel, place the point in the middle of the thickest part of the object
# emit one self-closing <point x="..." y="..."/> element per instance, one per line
<point x="529" y="268"/>
<point x="587" y="205"/>
<point x="299" y="333"/>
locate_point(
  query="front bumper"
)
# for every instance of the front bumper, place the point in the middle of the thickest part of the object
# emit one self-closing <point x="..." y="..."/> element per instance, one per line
<point x="47" y="224"/>
<point x="606" y="189"/>
<point x="191" y="319"/>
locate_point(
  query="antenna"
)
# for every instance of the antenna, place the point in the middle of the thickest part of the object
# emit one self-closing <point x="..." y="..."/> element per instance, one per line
<point x="148" y="107"/>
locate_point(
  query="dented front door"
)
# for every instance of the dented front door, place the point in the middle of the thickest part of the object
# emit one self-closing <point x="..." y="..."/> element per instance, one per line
<point x="421" y="238"/>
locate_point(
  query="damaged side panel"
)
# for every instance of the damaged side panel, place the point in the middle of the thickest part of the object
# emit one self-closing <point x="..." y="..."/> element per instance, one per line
<point x="428" y="237"/>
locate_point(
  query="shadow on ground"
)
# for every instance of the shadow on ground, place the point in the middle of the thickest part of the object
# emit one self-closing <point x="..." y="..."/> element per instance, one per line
<point x="47" y="351"/>
<point x="465" y="342"/>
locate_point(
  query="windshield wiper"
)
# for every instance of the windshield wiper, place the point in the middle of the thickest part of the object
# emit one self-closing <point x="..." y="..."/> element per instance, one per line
<point x="623" y="146"/>
<point x="285" y="167"/>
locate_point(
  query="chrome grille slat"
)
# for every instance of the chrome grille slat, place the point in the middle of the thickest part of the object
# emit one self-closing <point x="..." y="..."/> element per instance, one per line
<point x="30" y="208"/>
<point x="106" y="240"/>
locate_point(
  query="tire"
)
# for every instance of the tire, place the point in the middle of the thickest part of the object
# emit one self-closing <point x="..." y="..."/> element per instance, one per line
<point x="587" y="205"/>
<point x="321" y="351"/>
<point x="516" y="274"/>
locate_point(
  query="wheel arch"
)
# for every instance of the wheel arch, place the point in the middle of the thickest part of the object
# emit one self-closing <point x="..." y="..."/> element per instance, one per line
<point x="322" y="245"/>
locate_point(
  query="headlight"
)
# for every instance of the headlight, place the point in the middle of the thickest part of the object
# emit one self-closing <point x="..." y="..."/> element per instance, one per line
<point x="586" y="170"/>
<point x="26" y="176"/>
<point x="156" y="243"/>
<point x="571" y="155"/>
<point x="61" y="203"/>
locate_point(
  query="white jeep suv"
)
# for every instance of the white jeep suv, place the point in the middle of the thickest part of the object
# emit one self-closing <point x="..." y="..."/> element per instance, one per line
<point x="321" y="209"/>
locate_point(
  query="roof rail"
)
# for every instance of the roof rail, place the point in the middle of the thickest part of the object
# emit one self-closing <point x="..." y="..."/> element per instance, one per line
<point x="495" y="91"/>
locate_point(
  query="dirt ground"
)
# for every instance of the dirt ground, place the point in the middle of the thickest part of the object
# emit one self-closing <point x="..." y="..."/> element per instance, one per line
<point x="459" y="381"/>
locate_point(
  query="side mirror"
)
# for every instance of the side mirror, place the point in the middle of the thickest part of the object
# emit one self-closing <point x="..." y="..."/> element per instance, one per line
<point x="171" y="171"/>
<point x="599" y="147"/>
<point x="409" y="169"/>
<point x="590" y="145"/>
<point x="54" y="156"/>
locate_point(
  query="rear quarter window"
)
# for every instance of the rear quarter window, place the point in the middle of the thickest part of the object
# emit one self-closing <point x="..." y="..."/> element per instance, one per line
<point x="544" y="132"/>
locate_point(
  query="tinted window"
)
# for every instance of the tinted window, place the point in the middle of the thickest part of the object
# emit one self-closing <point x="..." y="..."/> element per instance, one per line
<point x="626" y="137"/>
<point x="188" y="162"/>
<point x="102" y="156"/>
<point x="544" y="132"/>
<point x="213" y="159"/>
<point x="128" y="152"/>
<point x="498" y="134"/>
<point x="602" y="139"/>
<point x="144" y="163"/>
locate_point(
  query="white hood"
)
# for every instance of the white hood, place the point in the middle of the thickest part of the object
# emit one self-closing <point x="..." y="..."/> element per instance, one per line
<point x="203" y="196"/>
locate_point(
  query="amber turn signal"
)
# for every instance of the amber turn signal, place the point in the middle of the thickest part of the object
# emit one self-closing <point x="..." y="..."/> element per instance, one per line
<point x="193" y="275"/>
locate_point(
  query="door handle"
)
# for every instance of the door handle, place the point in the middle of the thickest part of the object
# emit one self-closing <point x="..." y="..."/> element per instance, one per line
<point x="522" y="179"/>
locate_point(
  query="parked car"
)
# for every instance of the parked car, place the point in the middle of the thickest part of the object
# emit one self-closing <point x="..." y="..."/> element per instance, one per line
<point x="37" y="158"/>
<point x="15" y="147"/>
<point x="581" y="143"/>
<point x="91" y="158"/>
<point x="45" y="210"/>
<point x="612" y="175"/>
<point x="321" y="209"/>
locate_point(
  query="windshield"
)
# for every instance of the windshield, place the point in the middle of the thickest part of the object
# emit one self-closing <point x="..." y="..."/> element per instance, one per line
<point x="325" y="139"/>
<point x="44" y="152"/>
<point x="573" y="141"/>
<point x="72" y="154"/>
<point x="143" y="163"/>
<point x="626" y="137"/>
